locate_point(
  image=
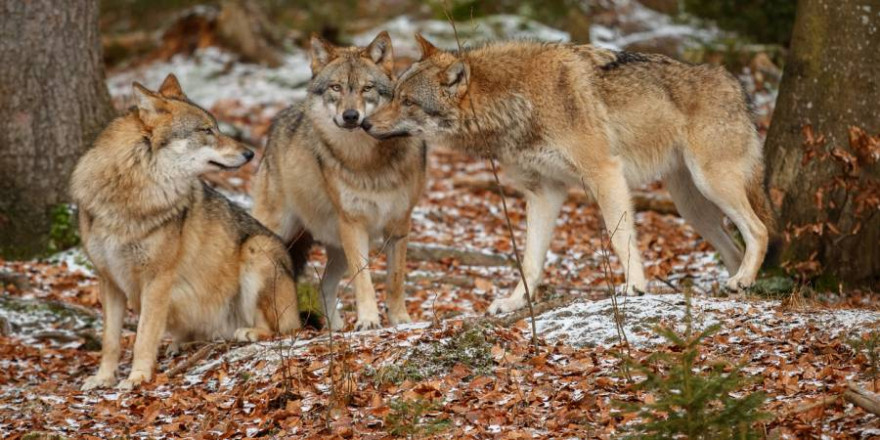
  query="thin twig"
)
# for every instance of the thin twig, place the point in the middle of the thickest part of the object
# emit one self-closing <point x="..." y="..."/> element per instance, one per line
<point x="196" y="357"/>
<point x="823" y="402"/>
<point x="494" y="168"/>
<point x="862" y="398"/>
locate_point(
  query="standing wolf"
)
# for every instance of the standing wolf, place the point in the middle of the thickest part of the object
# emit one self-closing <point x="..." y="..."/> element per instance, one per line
<point x="323" y="175"/>
<point x="179" y="253"/>
<point x="559" y="114"/>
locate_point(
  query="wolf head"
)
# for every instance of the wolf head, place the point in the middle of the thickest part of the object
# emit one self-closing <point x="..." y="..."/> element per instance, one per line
<point x="349" y="84"/>
<point x="427" y="98"/>
<point x="182" y="135"/>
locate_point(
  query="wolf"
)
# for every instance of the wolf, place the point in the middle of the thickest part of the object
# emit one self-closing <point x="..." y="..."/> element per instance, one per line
<point x="557" y="115"/>
<point x="322" y="175"/>
<point x="180" y="254"/>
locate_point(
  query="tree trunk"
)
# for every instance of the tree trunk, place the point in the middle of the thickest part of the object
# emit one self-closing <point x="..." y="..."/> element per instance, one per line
<point x="54" y="103"/>
<point x="823" y="173"/>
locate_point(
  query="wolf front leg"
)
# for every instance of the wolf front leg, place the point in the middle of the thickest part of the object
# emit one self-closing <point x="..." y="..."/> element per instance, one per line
<point x="610" y="188"/>
<point x="356" y="244"/>
<point x="113" y="303"/>
<point x="155" y="302"/>
<point x="543" y="206"/>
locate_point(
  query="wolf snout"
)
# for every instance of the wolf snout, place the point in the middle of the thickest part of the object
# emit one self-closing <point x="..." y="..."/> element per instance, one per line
<point x="350" y="116"/>
<point x="248" y="155"/>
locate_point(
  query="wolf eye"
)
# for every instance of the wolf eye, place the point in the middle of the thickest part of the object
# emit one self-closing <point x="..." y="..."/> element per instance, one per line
<point x="208" y="130"/>
<point x="336" y="87"/>
<point x="367" y="88"/>
<point x="408" y="102"/>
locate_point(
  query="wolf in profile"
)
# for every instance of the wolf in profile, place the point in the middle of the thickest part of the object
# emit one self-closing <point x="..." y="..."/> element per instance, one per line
<point x="181" y="255"/>
<point x="557" y="115"/>
<point x="324" y="176"/>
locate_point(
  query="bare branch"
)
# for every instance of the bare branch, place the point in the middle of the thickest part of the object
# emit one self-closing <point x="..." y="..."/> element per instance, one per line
<point x="494" y="167"/>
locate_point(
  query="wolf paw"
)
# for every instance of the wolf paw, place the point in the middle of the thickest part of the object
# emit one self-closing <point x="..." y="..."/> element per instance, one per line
<point x="98" y="381"/>
<point x="399" y="318"/>
<point x="738" y="284"/>
<point x="506" y="305"/>
<point x="367" y="323"/>
<point x="247" y="334"/>
<point x="134" y="379"/>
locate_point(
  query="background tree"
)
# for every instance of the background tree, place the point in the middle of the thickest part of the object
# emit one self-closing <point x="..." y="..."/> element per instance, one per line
<point x="822" y="161"/>
<point x="54" y="102"/>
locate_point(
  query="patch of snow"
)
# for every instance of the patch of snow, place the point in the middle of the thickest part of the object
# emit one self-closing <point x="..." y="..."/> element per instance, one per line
<point x="637" y="23"/>
<point x="592" y="323"/>
<point x="439" y="32"/>
<point x="76" y="261"/>
<point x="211" y="75"/>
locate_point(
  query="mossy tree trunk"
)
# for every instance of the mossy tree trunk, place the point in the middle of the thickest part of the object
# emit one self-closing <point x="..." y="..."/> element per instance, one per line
<point x="53" y="102"/>
<point x="822" y="163"/>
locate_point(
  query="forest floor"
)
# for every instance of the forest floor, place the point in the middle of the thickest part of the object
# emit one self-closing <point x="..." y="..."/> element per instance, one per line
<point x="453" y="373"/>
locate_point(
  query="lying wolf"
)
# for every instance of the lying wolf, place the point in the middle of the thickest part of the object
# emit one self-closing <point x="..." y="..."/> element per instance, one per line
<point x="558" y="115"/>
<point x="181" y="255"/>
<point x="323" y="175"/>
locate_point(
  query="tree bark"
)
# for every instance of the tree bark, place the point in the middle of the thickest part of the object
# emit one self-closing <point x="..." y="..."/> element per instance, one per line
<point x="54" y="103"/>
<point x="822" y="173"/>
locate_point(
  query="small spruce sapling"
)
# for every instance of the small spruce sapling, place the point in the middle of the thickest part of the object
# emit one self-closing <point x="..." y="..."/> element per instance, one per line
<point x="689" y="400"/>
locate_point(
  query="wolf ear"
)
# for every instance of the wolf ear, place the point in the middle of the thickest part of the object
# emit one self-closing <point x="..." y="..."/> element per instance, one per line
<point x="321" y="53"/>
<point x="149" y="104"/>
<point x="381" y="52"/>
<point x="171" y="88"/>
<point x="456" y="78"/>
<point x="425" y="46"/>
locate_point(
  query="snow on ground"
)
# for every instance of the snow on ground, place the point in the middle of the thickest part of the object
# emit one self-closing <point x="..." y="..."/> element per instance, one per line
<point x="636" y="23"/>
<point x="402" y="30"/>
<point x="592" y="323"/>
<point x="76" y="261"/>
<point x="211" y="75"/>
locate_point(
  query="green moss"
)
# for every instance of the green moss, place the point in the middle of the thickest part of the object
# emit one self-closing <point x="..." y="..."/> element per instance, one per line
<point x="470" y="347"/>
<point x="62" y="229"/>
<point x="37" y="435"/>
<point x="827" y="282"/>
<point x="309" y="299"/>
<point x="774" y="286"/>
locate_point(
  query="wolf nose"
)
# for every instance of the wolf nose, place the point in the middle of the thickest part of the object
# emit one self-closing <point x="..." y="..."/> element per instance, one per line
<point x="248" y="155"/>
<point x="366" y="125"/>
<point x="350" y="116"/>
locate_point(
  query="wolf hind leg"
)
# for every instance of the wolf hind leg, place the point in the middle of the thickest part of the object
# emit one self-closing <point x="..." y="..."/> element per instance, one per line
<point x="542" y="205"/>
<point x="268" y="290"/>
<point x="397" y="313"/>
<point x="704" y="216"/>
<point x="337" y="266"/>
<point x="730" y="194"/>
